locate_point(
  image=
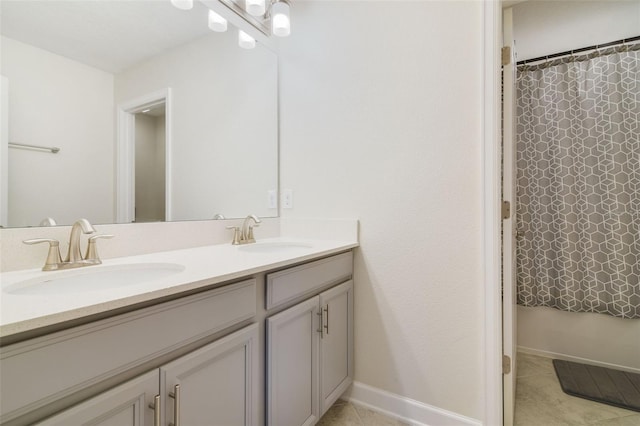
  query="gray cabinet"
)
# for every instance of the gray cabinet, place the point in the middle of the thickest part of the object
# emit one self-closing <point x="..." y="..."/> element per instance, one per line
<point x="213" y="386"/>
<point x="40" y="372"/>
<point x="336" y="344"/>
<point x="309" y="357"/>
<point x="216" y="385"/>
<point x="124" y="405"/>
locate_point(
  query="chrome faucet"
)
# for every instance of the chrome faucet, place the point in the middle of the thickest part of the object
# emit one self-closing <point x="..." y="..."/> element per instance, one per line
<point x="244" y="234"/>
<point x="74" y="256"/>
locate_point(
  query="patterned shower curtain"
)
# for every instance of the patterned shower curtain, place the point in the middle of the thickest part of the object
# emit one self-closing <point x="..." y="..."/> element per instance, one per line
<point x="578" y="183"/>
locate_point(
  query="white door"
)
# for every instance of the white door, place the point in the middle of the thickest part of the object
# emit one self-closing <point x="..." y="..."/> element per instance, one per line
<point x="215" y="385"/>
<point x="336" y="343"/>
<point x="292" y="365"/>
<point x="129" y="404"/>
<point x="509" y="225"/>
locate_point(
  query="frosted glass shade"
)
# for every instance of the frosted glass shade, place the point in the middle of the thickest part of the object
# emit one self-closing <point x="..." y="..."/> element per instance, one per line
<point x="256" y="7"/>
<point x="280" y="19"/>
<point x="182" y="4"/>
<point x="245" y="40"/>
<point x="216" y="22"/>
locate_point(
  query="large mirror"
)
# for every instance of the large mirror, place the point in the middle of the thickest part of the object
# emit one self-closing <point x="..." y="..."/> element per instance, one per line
<point x="155" y="116"/>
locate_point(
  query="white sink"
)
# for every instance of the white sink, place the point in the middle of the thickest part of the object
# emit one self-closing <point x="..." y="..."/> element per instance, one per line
<point x="94" y="278"/>
<point x="275" y="247"/>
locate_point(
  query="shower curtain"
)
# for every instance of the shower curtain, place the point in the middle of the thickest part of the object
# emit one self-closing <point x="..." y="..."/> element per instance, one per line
<point x="578" y="183"/>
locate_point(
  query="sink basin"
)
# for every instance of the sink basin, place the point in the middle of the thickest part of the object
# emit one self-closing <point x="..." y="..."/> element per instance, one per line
<point x="274" y="247"/>
<point x="94" y="278"/>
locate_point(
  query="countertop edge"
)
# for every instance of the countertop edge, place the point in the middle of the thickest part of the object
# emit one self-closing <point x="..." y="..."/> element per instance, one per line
<point x="31" y="325"/>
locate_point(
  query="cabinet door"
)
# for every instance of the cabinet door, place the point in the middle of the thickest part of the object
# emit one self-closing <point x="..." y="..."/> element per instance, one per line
<point x="336" y="343"/>
<point x="216" y="385"/>
<point x="292" y="365"/>
<point x="124" y="405"/>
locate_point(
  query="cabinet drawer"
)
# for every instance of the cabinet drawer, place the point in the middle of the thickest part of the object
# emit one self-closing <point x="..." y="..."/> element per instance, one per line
<point x="39" y="371"/>
<point x="289" y="284"/>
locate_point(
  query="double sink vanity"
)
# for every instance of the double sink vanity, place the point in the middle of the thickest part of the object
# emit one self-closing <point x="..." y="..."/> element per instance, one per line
<point x="247" y="334"/>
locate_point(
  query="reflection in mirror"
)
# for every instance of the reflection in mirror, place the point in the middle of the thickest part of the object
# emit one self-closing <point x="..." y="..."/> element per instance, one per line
<point x="76" y="73"/>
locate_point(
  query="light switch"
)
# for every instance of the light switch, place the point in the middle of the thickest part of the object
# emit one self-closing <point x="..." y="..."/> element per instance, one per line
<point x="287" y="199"/>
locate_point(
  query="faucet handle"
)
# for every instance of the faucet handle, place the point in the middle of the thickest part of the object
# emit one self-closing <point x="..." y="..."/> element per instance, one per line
<point x="92" y="248"/>
<point x="250" y="237"/>
<point x="236" y="234"/>
<point x="53" y="256"/>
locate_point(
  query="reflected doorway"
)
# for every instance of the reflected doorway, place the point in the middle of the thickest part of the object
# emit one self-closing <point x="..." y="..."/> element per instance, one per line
<point x="143" y="160"/>
<point x="150" y="164"/>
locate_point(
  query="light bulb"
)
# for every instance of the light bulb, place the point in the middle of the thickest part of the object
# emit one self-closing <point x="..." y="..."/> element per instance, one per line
<point x="182" y="4"/>
<point x="216" y="22"/>
<point x="280" y="21"/>
<point x="256" y="7"/>
<point x="245" y="40"/>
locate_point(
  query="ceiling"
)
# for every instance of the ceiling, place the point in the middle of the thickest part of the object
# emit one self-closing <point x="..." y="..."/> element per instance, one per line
<point x="105" y="34"/>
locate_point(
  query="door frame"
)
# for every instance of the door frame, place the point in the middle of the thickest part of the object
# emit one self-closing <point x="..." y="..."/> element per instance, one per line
<point x="4" y="151"/>
<point x="125" y="153"/>
<point x="509" y="308"/>
<point x="492" y="243"/>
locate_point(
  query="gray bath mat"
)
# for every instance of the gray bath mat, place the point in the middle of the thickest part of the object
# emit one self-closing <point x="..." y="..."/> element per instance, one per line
<point x="613" y="387"/>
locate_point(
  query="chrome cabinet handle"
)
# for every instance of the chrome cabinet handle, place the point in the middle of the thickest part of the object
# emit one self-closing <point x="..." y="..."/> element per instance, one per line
<point x="155" y="406"/>
<point x="326" y="327"/>
<point x="176" y="405"/>
<point x="321" y="323"/>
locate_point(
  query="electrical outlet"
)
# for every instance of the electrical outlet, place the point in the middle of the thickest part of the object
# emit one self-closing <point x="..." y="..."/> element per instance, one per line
<point x="287" y="199"/>
<point x="272" y="199"/>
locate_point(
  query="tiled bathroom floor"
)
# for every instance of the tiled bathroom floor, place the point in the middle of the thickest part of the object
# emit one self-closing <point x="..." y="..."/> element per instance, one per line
<point x="540" y="400"/>
<point x="344" y="413"/>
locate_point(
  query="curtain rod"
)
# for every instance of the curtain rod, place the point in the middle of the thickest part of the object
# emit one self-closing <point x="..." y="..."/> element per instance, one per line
<point x="583" y="49"/>
<point x="52" y="149"/>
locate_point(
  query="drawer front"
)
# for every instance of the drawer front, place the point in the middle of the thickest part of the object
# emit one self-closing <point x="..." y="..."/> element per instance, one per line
<point x="42" y="370"/>
<point x="289" y="284"/>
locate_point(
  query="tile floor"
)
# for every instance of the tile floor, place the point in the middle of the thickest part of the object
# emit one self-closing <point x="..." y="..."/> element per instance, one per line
<point x="540" y="401"/>
<point x="344" y="413"/>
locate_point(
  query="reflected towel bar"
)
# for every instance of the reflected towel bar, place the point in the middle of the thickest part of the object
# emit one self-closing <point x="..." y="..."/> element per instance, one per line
<point x="52" y="149"/>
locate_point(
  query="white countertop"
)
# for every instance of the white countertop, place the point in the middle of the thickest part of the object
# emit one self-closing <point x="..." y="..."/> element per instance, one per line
<point x="203" y="266"/>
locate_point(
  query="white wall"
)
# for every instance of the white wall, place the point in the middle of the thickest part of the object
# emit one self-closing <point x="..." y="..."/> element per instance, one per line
<point x="381" y="107"/>
<point x="224" y="124"/>
<point x="542" y="28"/>
<point x="54" y="101"/>
<point x="547" y="27"/>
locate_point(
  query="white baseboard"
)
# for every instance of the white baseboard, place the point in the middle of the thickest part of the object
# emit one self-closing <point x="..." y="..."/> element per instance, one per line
<point x="404" y="409"/>
<point x="565" y="357"/>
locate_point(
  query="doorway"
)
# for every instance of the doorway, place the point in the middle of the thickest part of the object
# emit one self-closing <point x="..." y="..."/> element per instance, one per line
<point x="150" y="135"/>
<point x="544" y="333"/>
<point x="143" y="160"/>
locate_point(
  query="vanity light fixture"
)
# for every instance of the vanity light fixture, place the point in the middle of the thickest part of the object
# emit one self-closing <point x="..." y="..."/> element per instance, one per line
<point x="281" y="18"/>
<point x="182" y="4"/>
<point x="245" y="40"/>
<point x="256" y="7"/>
<point x="216" y="22"/>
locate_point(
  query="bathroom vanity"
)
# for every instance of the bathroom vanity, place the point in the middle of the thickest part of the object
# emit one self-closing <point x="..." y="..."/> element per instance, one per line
<point x="249" y="335"/>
